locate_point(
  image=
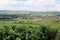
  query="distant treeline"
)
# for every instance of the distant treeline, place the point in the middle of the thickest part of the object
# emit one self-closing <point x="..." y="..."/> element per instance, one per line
<point x="29" y="16"/>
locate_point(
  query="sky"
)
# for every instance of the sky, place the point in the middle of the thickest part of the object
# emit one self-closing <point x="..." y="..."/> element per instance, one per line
<point x="30" y="5"/>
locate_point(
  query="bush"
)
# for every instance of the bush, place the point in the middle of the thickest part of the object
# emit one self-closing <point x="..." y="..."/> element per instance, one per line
<point x="27" y="33"/>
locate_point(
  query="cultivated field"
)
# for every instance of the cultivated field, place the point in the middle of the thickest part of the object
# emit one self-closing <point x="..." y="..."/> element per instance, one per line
<point x="29" y="26"/>
<point x="30" y="30"/>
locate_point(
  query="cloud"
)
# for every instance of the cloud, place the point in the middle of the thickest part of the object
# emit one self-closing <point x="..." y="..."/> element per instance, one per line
<point x="57" y="8"/>
<point x="3" y="2"/>
<point x="34" y="5"/>
<point x="20" y="0"/>
<point x="57" y="5"/>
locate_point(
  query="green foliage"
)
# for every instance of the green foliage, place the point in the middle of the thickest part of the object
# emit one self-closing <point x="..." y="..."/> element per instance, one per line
<point x="27" y="33"/>
<point x="18" y="38"/>
<point x="30" y="30"/>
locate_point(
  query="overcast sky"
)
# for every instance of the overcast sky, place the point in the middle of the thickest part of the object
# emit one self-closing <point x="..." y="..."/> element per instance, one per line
<point x="30" y="5"/>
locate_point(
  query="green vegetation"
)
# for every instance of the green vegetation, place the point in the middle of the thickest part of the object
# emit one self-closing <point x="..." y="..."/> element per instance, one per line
<point x="30" y="29"/>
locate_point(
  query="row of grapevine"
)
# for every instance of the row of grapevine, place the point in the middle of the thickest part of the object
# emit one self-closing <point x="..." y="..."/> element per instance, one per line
<point x="27" y="33"/>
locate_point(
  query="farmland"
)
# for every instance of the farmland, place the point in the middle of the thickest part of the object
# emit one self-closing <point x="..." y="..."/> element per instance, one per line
<point x="29" y="27"/>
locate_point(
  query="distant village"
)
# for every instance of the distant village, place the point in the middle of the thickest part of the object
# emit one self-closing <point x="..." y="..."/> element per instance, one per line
<point x="45" y="16"/>
<point x="30" y="16"/>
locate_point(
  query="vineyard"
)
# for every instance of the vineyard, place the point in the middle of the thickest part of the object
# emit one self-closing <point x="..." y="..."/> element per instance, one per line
<point x="30" y="30"/>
